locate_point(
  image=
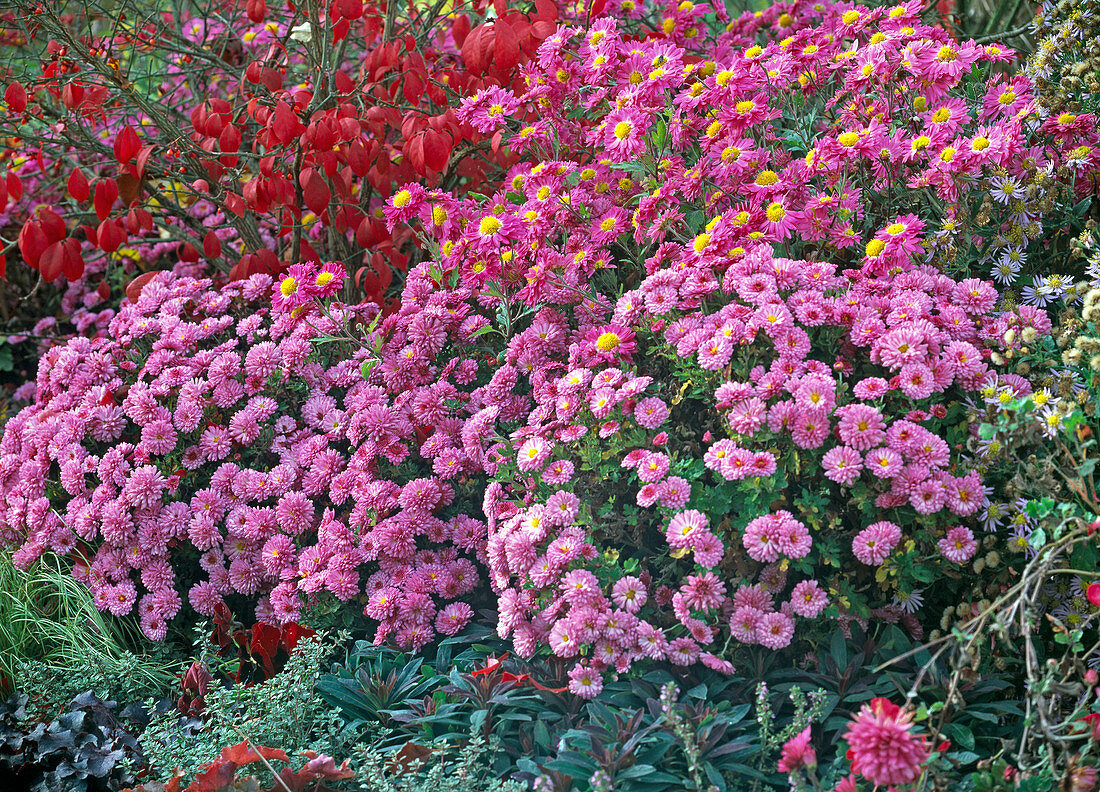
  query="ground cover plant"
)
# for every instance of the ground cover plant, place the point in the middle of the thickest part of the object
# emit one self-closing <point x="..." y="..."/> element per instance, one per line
<point x="633" y="396"/>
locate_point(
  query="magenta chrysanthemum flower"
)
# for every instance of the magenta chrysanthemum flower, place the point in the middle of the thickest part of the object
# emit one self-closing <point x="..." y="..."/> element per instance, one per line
<point x="874" y="543"/>
<point x="585" y="682"/>
<point x="533" y="453"/>
<point x="797" y="753"/>
<point x="959" y="545"/>
<point x="808" y="599"/>
<point x="775" y="630"/>
<point x="881" y="746"/>
<point x="842" y="465"/>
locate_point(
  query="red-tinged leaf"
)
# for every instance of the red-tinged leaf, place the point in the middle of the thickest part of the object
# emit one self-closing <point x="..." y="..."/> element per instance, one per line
<point x="271" y="78"/>
<point x="343" y="83"/>
<point x="546" y="10"/>
<point x="597" y="8"/>
<point x="235" y="204"/>
<point x="358" y="158"/>
<point x="242" y="754"/>
<point x="32" y="243"/>
<point x="256" y="10"/>
<point x="218" y="775"/>
<point x="252" y="72"/>
<point x="4" y="265"/>
<point x="293" y="633"/>
<point x="142" y="160"/>
<point x="127" y="144"/>
<point x="437" y="149"/>
<point x="72" y="266"/>
<point x="230" y="139"/>
<point x="340" y="30"/>
<point x="542" y="30"/>
<point x="52" y="224"/>
<point x="255" y="195"/>
<point x="308" y="252"/>
<point x="103" y="290"/>
<point x="315" y="191"/>
<point x="412" y="88"/>
<point x="188" y="253"/>
<point x="501" y="7"/>
<point x="460" y="29"/>
<point x="269" y="262"/>
<point x="52" y="263"/>
<point x="78" y="185"/>
<point x="72" y="95"/>
<point x="3" y="194"/>
<point x="505" y="45"/>
<point x="211" y="245"/>
<point x="285" y="123"/>
<point x="15" y="96"/>
<point x="110" y="236"/>
<point x="105" y="195"/>
<point x="15" y="186"/>
<point x="133" y="292"/>
<point x="477" y="49"/>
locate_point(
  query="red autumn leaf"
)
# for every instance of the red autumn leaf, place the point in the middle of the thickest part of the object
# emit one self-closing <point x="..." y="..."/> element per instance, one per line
<point x="285" y="123"/>
<point x="211" y="245"/>
<point x="110" y="236"/>
<point x="142" y="159"/>
<point x="52" y="224"/>
<point x="127" y="144"/>
<point x="15" y="186"/>
<point x="235" y="204"/>
<point x="230" y="139"/>
<point x="32" y="243"/>
<point x="271" y="78"/>
<point x="106" y="193"/>
<point x="437" y="149"/>
<point x="546" y="9"/>
<point x="218" y="775"/>
<point x="72" y="95"/>
<point x="241" y="754"/>
<point x="134" y="287"/>
<point x="72" y="263"/>
<point x="460" y="29"/>
<point x="477" y="48"/>
<point x="4" y="265"/>
<point x="78" y="185"/>
<point x="16" y="97"/>
<point x="188" y="253"/>
<point x="52" y="263"/>
<point x="256" y="10"/>
<point x="349" y="9"/>
<point x="315" y="191"/>
<point x="505" y="45"/>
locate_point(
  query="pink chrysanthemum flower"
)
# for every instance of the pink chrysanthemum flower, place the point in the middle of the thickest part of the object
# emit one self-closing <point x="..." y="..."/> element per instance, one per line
<point x="874" y="543"/>
<point x="881" y="746"/>
<point x="775" y="630"/>
<point x="797" y="753"/>
<point x="808" y="599"/>
<point x="959" y="545"/>
<point x="533" y="453"/>
<point x="585" y="682"/>
<point x="842" y="465"/>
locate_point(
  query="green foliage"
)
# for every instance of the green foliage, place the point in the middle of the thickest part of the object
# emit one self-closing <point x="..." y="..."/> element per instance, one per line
<point x="466" y="769"/>
<point x="54" y="643"/>
<point x="284" y="712"/>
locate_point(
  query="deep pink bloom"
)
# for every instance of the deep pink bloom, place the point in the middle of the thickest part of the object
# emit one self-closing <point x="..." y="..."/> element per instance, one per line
<point x="881" y="746"/>
<point x="797" y="753"/>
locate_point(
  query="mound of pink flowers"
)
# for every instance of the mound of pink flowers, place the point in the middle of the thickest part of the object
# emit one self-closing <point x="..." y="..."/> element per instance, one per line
<point x="613" y="389"/>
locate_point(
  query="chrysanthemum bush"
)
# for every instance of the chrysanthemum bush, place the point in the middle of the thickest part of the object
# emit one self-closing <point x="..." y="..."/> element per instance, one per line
<point x="691" y="379"/>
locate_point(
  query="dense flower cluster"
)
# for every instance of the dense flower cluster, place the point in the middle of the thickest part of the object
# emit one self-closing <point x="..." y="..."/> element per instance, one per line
<point x="204" y="434"/>
<point x="618" y="383"/>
